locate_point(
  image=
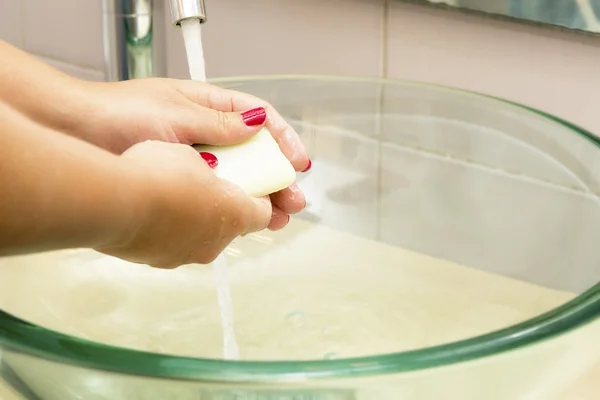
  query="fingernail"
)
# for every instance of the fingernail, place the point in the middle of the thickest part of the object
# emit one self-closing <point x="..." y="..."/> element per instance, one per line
<point x="210" y="159"/>
<point x="288" y="219"/>
<point x="309" y="166"/>
<point x="254" y="117"/>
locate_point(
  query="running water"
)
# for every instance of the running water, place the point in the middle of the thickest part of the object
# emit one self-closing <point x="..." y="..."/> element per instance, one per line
<point x="192" y="36"/>
<point x="230" y="346"/>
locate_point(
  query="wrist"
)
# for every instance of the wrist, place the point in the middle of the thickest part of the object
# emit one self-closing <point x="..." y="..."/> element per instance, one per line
<point x="129" y="208"/>
<point x="99" y="116"/>
<point x="61" y="192"/>
<point x="73" y="108"/>
<point x="42" y="93"/>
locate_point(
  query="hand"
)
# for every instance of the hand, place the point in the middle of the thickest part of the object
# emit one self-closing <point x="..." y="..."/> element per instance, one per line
<point x="188" y="215"/>
<point x="189" y="112"/>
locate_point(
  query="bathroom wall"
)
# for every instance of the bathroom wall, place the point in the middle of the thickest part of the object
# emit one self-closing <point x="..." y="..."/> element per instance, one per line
<point x="553" y="70"/>
<point x="545" y="68"/>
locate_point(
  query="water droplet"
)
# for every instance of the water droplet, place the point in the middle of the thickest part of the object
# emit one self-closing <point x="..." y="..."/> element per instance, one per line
<point x="222" y="219"/>
<point x="330" y="356"/>
<point x="216" y="205"/>
<point x="234" y="223"/>
<point x="296" y="319"/>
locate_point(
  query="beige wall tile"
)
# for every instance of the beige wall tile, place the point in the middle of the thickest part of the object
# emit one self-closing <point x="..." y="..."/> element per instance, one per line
<point x="10" y="21"/>
<point x="545" y="68"/>
<point x="286" y="37"/>
<point x="65" y="30"/>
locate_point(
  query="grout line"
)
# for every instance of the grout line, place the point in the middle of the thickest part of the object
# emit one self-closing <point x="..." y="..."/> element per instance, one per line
<point x="379" y="170"/>
<point x="380" y="107"/>
<point x="384" y="39"/>
<point x="379" y="120"/>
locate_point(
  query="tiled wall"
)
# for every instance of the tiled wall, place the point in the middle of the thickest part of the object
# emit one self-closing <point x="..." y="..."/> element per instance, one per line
<point x="555" y="71"/>
<point x="549" y="69"/>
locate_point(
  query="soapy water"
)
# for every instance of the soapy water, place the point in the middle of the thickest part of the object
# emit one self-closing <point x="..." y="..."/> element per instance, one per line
<point x="347" y="297"/>
<point x="192" y="37"/>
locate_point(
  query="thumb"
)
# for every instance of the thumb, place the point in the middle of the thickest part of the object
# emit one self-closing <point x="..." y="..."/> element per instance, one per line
<point x="202" y="125"/>
<point x="260" y="211"/>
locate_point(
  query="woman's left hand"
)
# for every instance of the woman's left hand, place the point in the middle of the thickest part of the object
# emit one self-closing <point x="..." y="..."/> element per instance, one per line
<point x="177" y="111"/>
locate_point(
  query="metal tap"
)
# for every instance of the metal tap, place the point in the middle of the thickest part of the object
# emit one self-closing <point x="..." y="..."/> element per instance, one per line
<point x="187" y="9"/>
<point x="134" y="35"/>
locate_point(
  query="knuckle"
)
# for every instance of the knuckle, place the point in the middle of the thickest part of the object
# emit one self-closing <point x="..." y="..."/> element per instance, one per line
<point x="214" y="97"/>
<point x="222" y="123"/>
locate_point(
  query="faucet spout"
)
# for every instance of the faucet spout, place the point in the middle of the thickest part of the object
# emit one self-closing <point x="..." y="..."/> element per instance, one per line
<point x="187" y="9"/>
<point x="134" y="37"/>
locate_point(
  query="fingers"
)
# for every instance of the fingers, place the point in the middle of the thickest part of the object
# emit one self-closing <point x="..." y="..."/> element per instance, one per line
<point x="260" y="211"/>
<point x="279" y="219"/>
<point x="201" y="125"/>
<point x="225" y="100"/>
<point x="290" y="200"/>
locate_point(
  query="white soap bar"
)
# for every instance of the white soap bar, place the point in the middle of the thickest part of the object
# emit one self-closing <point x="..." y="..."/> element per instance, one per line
<point x="257" y="166"/>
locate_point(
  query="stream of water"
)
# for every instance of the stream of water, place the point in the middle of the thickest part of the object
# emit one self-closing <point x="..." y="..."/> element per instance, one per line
<point x="192" y="36"/>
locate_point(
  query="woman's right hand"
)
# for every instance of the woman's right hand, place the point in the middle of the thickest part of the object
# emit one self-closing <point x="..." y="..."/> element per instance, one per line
<point x="186" y="214"/>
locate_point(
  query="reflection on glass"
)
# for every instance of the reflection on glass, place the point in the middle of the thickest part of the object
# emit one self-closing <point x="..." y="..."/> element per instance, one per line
<point x="573" y="14"/>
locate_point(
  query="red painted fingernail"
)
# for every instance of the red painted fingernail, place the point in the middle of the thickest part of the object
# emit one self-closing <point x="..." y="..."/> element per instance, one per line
<point x="210" y="159"/>
<point x="309" y="166"/>
<point x="254" y="117"/>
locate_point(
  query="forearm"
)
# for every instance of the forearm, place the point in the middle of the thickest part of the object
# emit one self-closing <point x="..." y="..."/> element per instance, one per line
<point x="43" y="93"/>
<point x="59" y="192"/>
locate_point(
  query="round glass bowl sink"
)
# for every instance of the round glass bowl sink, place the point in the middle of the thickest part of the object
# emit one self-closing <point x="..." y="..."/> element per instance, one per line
<point x="448" y="250"/>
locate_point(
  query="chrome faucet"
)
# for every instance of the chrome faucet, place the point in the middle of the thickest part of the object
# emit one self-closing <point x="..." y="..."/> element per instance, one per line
<point x="182" y="10"/>
<point x="134" y="36"/>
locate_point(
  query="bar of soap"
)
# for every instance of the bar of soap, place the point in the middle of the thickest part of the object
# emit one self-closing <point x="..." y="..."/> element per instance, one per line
<point x="257" y="165"/>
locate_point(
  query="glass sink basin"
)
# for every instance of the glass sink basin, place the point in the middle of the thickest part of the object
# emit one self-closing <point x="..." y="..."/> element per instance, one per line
<point x="448" y="250"/>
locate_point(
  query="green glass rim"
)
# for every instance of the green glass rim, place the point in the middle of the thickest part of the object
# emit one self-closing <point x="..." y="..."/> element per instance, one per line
<point x="27" y="338"/>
